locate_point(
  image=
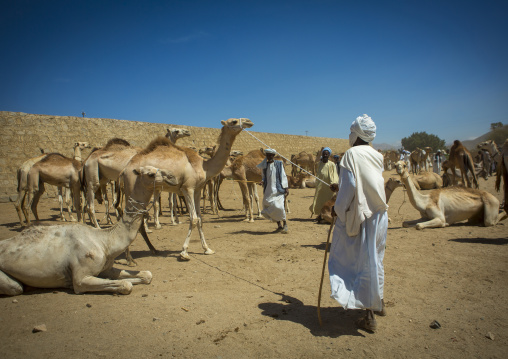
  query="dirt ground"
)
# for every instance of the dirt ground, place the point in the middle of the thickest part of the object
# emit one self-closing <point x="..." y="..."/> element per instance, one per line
<point x="257" y="296"/>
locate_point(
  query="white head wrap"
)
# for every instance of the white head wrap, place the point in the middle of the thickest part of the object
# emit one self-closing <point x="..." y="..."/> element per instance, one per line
<point x="264" y="164"/>
<point x="364" y="128"/>
<point x="270" y="150"/>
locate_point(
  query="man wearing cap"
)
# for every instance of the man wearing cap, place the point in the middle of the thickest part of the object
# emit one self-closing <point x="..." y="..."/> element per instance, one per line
<point x="359" y="239"/>
<point x="275" y="188"/>
<point x="326" y="172"/>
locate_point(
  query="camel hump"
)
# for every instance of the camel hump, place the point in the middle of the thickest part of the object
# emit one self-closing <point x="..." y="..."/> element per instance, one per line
<point x="157" y="142"/>
<point x="54" y="156"/>
<point x="117" y="141"/>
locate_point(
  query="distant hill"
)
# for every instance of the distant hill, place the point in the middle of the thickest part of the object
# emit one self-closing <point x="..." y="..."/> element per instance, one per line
<point x="499" y="136"/>
<point x="383" y="146"/>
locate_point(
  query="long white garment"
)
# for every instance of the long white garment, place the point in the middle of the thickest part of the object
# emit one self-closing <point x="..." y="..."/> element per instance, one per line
<point x="273" y="201"/>
<point x="356" y="263"/>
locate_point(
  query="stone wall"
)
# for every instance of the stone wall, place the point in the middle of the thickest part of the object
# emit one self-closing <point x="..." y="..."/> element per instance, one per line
<point x="24" y="135"/>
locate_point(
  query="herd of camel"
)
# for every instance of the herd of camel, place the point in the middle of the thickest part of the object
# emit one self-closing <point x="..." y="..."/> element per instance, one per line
<point x="81" y="257"/>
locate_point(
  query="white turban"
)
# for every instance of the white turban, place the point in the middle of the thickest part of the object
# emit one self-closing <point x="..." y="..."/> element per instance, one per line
<point x="364" y="128"/>
<point x="269" y="150"/>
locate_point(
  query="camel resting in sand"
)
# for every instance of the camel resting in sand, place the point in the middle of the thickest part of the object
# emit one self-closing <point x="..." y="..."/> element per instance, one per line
<point x="76" y="255"/>
<point x="445" y="206"/>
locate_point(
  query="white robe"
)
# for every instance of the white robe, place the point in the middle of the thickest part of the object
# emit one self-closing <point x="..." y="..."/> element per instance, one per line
<point x="273" y="201"/>
<point x="356" y="263"/>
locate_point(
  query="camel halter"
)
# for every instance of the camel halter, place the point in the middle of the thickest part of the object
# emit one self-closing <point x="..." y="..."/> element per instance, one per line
<point x="294" y="164"/>
<point x="134" y="203"/>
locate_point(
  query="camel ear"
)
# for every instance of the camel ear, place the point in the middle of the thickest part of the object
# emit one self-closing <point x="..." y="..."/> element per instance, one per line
<point x="223" y="123"/>
<point x="136" y="172"/>
<point x="76" y="144"/>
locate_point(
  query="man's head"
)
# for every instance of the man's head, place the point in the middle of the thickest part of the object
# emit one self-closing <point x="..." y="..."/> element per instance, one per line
<point x="362" y="128"/>
<point x="325" y="154"/>
<point x="270" y="154"/>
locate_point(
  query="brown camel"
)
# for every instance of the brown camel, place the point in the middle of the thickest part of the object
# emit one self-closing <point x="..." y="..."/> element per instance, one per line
<point x="57" y="170"/>
<point x="445" y="206"/>
<point x="390" y="157"/>
<point x="461" y="158"/>
<point x="428" y="180"/>
<point x="502" y="172"/>
<point x="190" y="170"/>
<point x="304" y="160"/>
<point x="102" y="166"/>
<point x="417" y="158"/>
<point x="22" y="180"/>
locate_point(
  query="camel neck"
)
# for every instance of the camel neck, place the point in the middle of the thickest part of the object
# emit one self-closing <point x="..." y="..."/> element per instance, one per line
<point x="214" y="165"/>
<point x="415" y="197"/>
<point x="77" y="153"/>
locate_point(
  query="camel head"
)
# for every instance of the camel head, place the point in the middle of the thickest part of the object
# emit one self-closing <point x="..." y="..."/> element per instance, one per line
<point x="208" y="150"/>
<point x="487" y="145"/>
<point x="82" y="145"/>
<point x="235" y="153"/>
<point x="401" y="167"/>
<point x="152" y="175"/>
<point x="176" y="133"/>
<point x="393" y="183"/>
<point x="237" y="124"/>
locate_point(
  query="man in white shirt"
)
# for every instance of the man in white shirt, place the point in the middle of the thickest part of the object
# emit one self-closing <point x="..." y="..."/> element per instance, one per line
<point x="359" y="239"/>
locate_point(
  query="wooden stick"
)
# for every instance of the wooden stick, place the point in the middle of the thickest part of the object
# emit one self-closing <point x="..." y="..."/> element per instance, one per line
<point x="330" y="230"/>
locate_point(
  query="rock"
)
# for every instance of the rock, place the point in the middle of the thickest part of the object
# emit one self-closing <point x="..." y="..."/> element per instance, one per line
<point x="39" y="328"/>
<point x="490" y="336"/>
<point x="88" y="305"/>
<point x="435" y="325"/>
<point x="144" y="295"/>
<point x="14" y="301"/>
<point x="155" y="319"/>
<point x="216" y="226"/>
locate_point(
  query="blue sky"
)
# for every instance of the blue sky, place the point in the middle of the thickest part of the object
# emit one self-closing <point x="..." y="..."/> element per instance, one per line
<point x="295" y="67"/>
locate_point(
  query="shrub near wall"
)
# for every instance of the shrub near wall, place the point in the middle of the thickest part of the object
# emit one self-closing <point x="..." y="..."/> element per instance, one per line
<point x="24" y="135"/>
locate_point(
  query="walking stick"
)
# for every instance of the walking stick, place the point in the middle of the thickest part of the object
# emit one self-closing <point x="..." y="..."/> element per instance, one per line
<point x="330" y="230"/>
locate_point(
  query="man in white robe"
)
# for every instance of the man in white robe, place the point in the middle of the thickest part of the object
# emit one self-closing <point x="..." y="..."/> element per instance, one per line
<point x="275" y="188"/>
<point x="357" y="251"/>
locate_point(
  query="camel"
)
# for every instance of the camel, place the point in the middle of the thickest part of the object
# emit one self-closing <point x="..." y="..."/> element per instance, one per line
<point x="57" y="170"/>
<point x="461" y="158"/>
<point x="501" y="158"/>
<point x="445" y="206"/>
<point x="22" y="182"/>
<point x="190" y="170"/>
<point x="102" y="166"/>
<point x="173" y="134"/>
<point x="247" y="174"/>
<point x="390" y="157"/>
<point x="304" y="160"/>
<point x="495" y="154"/>
<point x="78" y="256"/>
<point x="418" y="160"/>
<point x="390" y="186"/>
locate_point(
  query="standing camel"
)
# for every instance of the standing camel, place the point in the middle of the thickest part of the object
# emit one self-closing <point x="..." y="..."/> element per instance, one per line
<point x="445" y="206"/>
<point x="57" y="170"/>
<point x="461" y="158"/>
<point x="78" y="256"/>
<point x="501" y="158"/>
<point x="191" y="171"/>
<point x="304" y="160"/>
<point x="102" y="166"/>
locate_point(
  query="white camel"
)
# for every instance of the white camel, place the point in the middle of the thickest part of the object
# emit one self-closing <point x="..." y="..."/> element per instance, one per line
<point x="78" y="256"/>
<point x="445" y="206"/>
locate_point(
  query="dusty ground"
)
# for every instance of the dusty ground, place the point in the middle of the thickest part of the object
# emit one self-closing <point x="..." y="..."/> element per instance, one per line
<point x="257" y="296"/>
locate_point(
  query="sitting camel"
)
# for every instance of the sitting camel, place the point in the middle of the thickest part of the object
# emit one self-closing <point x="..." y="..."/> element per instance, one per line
<point x="445" y="206"/>
<point x="76" y="255"/>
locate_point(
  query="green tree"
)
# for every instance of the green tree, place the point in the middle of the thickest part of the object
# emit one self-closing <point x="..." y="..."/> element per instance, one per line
<point x="421" y="140"/>
<point x="496" y="125"/>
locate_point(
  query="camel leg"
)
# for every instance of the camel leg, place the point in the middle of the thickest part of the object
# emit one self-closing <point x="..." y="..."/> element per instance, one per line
<point x="67" y="200"/>
<point x="18" y="205"/>
<point x="60" y="202"/>
<point x="256" y="198"/>
<point x="172" y="209"/>
<point x="9" y="286"/>
<point x="249" y="217"/>
<point x="135" y="277"/>
<point x="433" y="223"/>
<point x="408" y="224"/>
<point x="90" y="198"/>
<point x="76" y="198"/>
<point x="33" y="202"/>
<point x="156" y="208"/>
<point x="104" y="189"/>
<point x="207" y="249"/>
<point x="94" y="284"/>
<point x="191" y="206"/>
